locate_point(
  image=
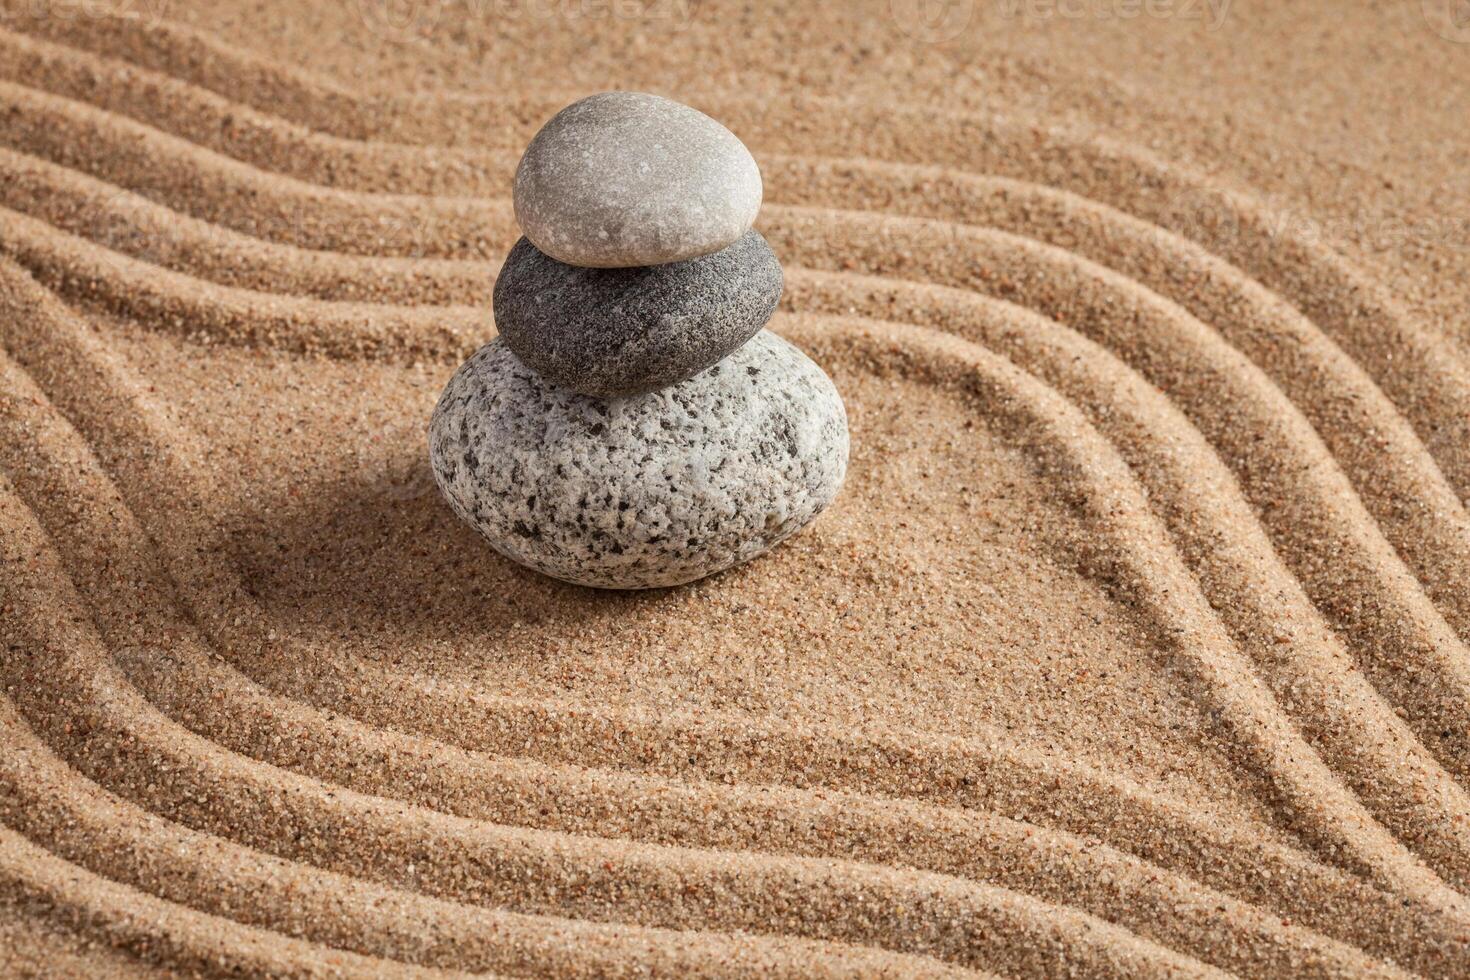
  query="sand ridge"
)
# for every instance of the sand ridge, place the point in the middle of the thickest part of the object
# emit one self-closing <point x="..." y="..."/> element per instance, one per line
<point x="1138" y="647"/>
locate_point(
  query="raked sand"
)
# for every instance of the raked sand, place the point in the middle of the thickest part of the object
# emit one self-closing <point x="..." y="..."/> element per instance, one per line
<point x="1137" y="644"/>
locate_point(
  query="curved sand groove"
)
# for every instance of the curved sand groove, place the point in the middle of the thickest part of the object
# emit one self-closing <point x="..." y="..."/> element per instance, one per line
<point x="1427" y="378"/>
<point x="955" y="837"/>
<point x="1107" y="489"/>
<point x="204" y="311"/>
<point x="1434" y="536"/>
<point x="1220" y="537"/>
<point x="432" y="851"/>
<point x="1321" y="527"/>
<point x="168" y="935"/>
<point x="118" y="150"/>
<point x="55" y="805"/>
<point x="1227" y="588"/>
<point x="236" y="130"/>
<point x="1438" y="723"/>
<point x="121" y="221"/>
<point x="1448" y="540"/>
<point x="313" y="102"/>
<point x="1358" y="313"/>
<point x="1389" y="633"/>
<point x="1334" y="392"/>
<point x="179" y="763"/>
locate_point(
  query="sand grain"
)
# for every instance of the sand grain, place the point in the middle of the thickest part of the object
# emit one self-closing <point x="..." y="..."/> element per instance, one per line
<point x="1138" y="643"/>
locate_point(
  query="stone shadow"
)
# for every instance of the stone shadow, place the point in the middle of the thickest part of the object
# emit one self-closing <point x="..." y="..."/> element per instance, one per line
<point x="385" y="552"/>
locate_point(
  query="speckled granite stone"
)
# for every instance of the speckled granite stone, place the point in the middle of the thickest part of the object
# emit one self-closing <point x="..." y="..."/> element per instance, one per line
<point x="625" y="179"/>
<point x="653" y="490"/>
<point x="616" y="332"/>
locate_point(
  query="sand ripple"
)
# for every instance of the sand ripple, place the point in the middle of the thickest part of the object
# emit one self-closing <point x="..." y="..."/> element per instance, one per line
<point x="235" y="740"/>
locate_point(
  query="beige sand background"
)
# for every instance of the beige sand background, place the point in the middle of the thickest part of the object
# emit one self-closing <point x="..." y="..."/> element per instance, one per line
<point x="1136" y="644"/>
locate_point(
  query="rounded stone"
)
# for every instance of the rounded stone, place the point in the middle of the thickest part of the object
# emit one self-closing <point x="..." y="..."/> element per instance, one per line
<point x="617" y="332"/>
<point x="654" y="490"/>
<point x="625" y="179"/>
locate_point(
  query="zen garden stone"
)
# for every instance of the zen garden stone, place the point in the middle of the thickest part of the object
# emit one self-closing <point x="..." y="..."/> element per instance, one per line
<point x="611" y="332"/>
<point x="659" y="489"/>
<point x="634" y="426"/>
<point x="626" y="179"/>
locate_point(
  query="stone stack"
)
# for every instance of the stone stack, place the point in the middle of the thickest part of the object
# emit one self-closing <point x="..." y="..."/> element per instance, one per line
<point x="634" y="426"/>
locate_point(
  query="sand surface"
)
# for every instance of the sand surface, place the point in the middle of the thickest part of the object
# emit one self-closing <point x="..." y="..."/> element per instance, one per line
<point x="1138" y="643"/>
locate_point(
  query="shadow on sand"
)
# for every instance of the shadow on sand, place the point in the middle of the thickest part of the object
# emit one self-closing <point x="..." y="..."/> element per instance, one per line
<point x="383" y="551"/>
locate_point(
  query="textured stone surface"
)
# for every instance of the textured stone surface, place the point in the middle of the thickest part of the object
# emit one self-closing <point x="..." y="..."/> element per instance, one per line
<point x="653" y="490"/>
<point x="616" y="332"/>
<point x="626" y="179"/>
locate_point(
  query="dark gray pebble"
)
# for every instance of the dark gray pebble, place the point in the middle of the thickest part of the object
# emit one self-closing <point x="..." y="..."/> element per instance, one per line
<point x="616" y="332"/>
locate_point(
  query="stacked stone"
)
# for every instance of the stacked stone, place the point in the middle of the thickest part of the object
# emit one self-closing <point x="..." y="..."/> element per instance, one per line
<point x="634" y="425"/>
